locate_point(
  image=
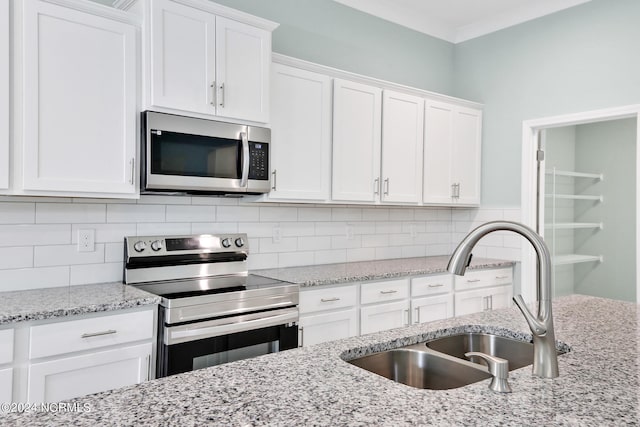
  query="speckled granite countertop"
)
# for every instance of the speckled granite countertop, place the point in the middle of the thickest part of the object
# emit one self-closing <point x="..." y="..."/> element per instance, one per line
<point x="37" y="304"/>
<point x="329" y="274"/>
<point x="598" y="383"/>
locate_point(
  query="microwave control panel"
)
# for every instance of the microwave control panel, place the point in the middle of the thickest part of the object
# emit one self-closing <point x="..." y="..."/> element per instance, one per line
<point x="258" y="160"/>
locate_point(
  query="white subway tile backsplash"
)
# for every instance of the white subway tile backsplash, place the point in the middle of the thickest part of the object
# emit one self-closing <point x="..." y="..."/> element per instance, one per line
<point x="343" y="242"/>
<point x="297" y="229"/>
<point x="33" y="278"/>
<point x="314" y="243"/>
<point x="190" y="213"/>
<point x="157" y="199"/>
<point x="388" y="252"/>
<point x="114" y="252"/>
<point x="16" y="257"/>
<point x="136" y="213"/>
<point x="375" y="214"/>
<point x="285" y="244"/>
<point x="338" y="228"/>
<point x="278" y="214"/>
<point x="388" y="227"/>
<point x="161" y="229"/>
<point x="258" y="229"/>
<point x="414" y="251"/>
<point x="360" y="254"/>
<point x="293" y="259"/>
<point x="34" y="234"/>
<point x="17" y="213"/>
<point x="238" y="214"/>
<point x="260" y="261"/>
<point x="96" y="273"/>
<point x="314" y="214"/>
<point x="105" y="232"/>
<point x="331" y="256"/>
<point x="346" y="214"/>
<point x="49" y="256"/>
<point x="214" y="228"/>
<point x="64" y="213"/>
<point x="375" y="240"/>
<point x="402" y="214"/>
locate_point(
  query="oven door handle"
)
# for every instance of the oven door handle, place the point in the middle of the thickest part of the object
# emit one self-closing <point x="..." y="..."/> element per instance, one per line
<point x="245" y="159"/>
<point x="226" y="326"/>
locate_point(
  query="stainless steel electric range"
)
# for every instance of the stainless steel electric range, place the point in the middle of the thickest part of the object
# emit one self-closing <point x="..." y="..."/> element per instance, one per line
<point x="212" y="311"/>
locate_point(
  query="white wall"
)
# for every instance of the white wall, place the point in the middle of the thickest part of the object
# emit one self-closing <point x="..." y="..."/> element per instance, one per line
<point x="38" y="235"/>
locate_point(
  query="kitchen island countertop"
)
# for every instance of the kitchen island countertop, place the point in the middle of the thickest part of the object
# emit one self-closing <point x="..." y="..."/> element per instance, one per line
<point x="598" y="383"/>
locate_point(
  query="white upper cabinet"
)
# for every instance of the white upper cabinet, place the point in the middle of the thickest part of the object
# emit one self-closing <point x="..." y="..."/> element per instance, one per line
<point x="402" y="144"/>
<point x="300" y="134"/>
<point x="205" y="63"/>
<point x="4" y="95"/>
<point x="77" y="100"/>
<point x="357" y="119"/>
<point x="452" y="145"/>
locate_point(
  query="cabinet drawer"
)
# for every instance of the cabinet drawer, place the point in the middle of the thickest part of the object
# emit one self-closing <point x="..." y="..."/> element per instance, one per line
<point x="389" y="290"/>
<point x="328" y="298"/>
<point x="431" y="285"/>
<point x="86" y="334"/>
<point x="484" y="278"/>
<point x="6" y="346"/>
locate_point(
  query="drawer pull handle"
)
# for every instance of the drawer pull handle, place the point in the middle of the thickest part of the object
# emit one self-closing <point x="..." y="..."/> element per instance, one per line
<point x="502" y="277"/>
<point x="437" y="285"/>
<point x="329" y="299"/>
<point x="473" y="280"/>
<point x="392" y="291"/>
<point x="97" y="334"/>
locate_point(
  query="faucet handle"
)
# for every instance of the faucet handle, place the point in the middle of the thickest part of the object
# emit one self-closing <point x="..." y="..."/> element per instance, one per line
<point x="537" y="327"/>
<point x="498" y="367"/>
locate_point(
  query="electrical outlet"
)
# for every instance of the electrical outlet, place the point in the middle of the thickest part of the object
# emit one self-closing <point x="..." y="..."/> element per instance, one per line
<point x="277" y="234"/>
<point x="86" y="240"/>
<point x="349" y="232"/>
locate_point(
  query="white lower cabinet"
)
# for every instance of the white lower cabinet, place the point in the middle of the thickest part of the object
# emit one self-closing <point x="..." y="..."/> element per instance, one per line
<point x="319" y="328"/>
<point x="6" y="385"/>
<point x="428" y="309"/>
<point x="485" y="299"/>
<point x="381" y="317"/>
<point x="71" y="377"/>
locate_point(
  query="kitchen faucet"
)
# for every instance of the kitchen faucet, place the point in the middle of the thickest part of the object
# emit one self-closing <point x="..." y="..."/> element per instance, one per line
<point x="545" y="358"/>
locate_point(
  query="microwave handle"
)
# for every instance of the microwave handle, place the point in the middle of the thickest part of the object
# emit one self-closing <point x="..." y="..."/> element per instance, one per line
<point x="245" y="159"/>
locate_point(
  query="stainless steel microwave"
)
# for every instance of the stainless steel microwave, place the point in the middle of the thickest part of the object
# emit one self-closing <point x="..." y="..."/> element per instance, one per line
<point x="190" y="155"/>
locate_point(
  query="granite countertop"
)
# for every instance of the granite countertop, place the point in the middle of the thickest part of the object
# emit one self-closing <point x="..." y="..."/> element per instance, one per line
<point x="598" y="383"/>
<point x="329" y="274"/>
<point x="48" y="303"/>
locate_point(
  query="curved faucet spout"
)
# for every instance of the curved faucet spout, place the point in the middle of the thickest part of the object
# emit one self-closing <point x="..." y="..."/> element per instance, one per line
<point x="545" y="362"/>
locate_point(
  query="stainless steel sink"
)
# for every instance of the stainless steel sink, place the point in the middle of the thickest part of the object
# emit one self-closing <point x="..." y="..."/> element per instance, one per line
<point x="518" y="353"/>
<point x="418" y="367"/>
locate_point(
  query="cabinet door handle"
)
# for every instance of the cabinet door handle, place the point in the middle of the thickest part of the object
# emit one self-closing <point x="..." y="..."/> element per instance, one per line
<point x="417" y="315"/>
<point x="502" y="277"/>
<point x="329" y="299"/>
<point x="301" y="336"/>
<point x="132" y="163"/>
<point x="97" y="334"/>
<point x="222" y="96"/>
<point x="453" y="191"/>
<point x="148" y="368"/>
<point x="436" y="285"/>
<point x="376" y="186"/>
<point x="490" y="302"/>
<point x="386" y="186"/>
<point x="213" y="93"/>
<point x="406" y="313"/>
<point x="275" y="175"/>
<point x="473" y="280"/>
<point x="485" y="303"/>
<point x="392" y="291"/>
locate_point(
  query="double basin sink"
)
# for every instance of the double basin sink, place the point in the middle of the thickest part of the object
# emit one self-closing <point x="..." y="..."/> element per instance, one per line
<point x="441" y="364"/>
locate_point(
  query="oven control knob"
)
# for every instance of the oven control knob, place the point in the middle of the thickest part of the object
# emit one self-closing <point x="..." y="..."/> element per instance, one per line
<point x="226" y="242"/>
<point x="140" y="246"/>
<point x="239" y="242"/>
<point x="156" y="245"/>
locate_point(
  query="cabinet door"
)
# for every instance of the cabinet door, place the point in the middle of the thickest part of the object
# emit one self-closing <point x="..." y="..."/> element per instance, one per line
<point x="243" y="58"/>
<point x="381" y="317"/>
<point x="6" y="385"/>
<point x="182" y="57"/>
<point x="438" y="137"/>
<point x="500" y="297"/>
<point x="90" y="373"/>
<point x="356" y="141"/>
<point x="300" y="134"/>
<point x="467" y="136"/>
<point x="468" y="302"/>
<point x="4" y="96"/>
<point x="402" y="141"/>
<point x="79" y="101"/>
<point x="432" y="308"/>
<point x="325" y="327"/>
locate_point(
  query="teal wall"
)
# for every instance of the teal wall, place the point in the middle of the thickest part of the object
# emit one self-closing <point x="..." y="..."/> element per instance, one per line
<point x="335" y="35"/>
<point x="580" y="59"/>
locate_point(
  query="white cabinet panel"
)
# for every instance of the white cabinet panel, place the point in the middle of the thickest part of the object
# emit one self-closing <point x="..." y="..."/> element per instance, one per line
<point x="328" y="298"/>
<point x="324" y="327"/>
<point x="431" y="285"/>
<point x="388" y="290"/>
<point x="402" y="145"/>
<point x="4" y="95"/>
<point x="356" y="141"/>
<point x="467" y="128"/>
<point x="91" y="373"/>
<point x="432" y="308"/>
<point x="300" y="134"/>
<point x="467" y="302"/>
<point x="381" y="317"/>
<point x="85" y="334"/>
<point x="6" y="385"/>
<point x="183" y="57"/>
<point x="243" y="57"/>
<point x="79" y="101"/>
<point x="6" y="346"/>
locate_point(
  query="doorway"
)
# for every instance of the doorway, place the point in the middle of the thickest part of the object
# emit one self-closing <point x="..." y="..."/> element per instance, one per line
<point x="580" y="192"/>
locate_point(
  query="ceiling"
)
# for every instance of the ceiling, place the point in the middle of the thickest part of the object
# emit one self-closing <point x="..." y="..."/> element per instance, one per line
<point x="459" y="20"/>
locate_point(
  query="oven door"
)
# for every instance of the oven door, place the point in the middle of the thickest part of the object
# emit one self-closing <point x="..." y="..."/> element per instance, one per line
<point x="184" y="348"/>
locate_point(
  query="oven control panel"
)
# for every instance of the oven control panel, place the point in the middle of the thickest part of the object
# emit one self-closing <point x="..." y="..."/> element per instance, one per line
<point x="145" y="246"/>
